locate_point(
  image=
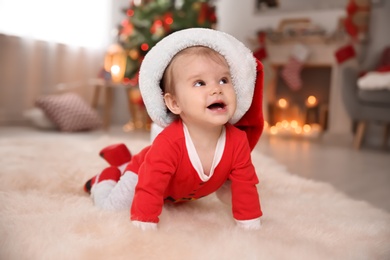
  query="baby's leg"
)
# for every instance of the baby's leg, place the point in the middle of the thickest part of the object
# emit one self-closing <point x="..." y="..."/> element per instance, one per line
<point x="112" y="195"/>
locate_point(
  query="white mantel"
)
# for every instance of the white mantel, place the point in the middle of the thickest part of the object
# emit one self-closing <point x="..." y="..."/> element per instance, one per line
<point x="321" y="55"/>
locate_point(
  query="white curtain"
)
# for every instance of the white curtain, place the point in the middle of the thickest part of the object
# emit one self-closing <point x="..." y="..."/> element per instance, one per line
<point x="44" y="43"/>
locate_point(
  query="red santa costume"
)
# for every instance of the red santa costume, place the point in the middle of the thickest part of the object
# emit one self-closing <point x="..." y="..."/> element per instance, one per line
<point x="170" y="170"/>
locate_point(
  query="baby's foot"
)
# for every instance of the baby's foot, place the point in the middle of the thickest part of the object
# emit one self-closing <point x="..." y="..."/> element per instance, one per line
<point x="109" y="173"/>
<point x="116" y="154"/>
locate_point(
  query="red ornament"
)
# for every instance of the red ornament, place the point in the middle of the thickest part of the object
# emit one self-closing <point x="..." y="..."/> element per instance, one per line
<point x="202" y="13"/>
<point x="127" y="28"/>
<point x="168" y="18"/>
<point x="144" y="47"/>
<point x="212" y="15"/>
<point x="156" y="25"/>
<point x="168" y="21"/>
<point x="206" y="13"/>
<point x="130" y="12"/>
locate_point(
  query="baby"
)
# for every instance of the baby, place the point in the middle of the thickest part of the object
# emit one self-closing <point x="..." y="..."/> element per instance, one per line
<point x="194" y="92"/>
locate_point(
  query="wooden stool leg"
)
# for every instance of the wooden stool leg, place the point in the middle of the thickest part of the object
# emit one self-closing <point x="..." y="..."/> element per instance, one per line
<point x="361" y="128"/>
<point x="133" y="112"/>
<point x="95" y="97"/>
<point x="147" y="120"/>
<point x="107" y="108"/>
<point x="386" y="136"/>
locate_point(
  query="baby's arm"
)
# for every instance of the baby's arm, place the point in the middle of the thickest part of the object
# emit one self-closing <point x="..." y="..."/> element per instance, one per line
<point x="154" y="176"/>
<point x="224" y="195"/>
<point x="245" y="198"/>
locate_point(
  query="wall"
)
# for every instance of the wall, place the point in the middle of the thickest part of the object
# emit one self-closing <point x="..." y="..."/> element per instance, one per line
<point x="240" y="19"/>
<point x="32" y="68"/>
<point x="379" y="33"/>
<point x="120" y="112"/>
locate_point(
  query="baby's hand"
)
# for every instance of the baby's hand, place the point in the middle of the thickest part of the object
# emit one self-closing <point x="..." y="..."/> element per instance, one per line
<point x="252" y="224"/>
<point x="145" y="225"/>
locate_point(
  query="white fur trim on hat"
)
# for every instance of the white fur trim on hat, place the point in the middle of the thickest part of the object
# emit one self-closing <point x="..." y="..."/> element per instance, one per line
<point x="240" y="59"/>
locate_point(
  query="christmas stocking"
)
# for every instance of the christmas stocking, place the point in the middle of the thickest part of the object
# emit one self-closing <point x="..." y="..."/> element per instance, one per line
<point x="261" y="52"/>
<point x="291" y="72"/>
<point x="345" y="53"/>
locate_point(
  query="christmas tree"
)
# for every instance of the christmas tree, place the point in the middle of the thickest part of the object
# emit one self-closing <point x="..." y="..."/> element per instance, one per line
<point x="148" y="21"/>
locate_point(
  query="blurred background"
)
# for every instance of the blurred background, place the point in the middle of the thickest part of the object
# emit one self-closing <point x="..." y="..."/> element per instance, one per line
<point x="94" y="49"/>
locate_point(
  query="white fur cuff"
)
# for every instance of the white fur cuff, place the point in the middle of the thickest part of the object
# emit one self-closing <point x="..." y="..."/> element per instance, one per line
<point x="251" y="224"/>
<point x="144" y="225"/>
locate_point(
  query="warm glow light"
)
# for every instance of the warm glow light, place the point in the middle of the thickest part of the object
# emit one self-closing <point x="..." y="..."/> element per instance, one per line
<point x="273" y="130"/>
<point x="115" y="62"/>
<point x="265" y="125"/>
<point x="137" y="2"/>
<point x="311" y="101"/>
<point x="306" y="128"/>
<point x="282" y="103"/>
<point x="115" y="69"/>
<point x="316" y="127"/>
<point x="292" y="128"/>
<point x="298" y="130"/>
<point x="134" y="55"/>
<point x="294" y="123"/>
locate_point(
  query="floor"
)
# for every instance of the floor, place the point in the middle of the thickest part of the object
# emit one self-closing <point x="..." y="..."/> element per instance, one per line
<point x="362" y="175"/>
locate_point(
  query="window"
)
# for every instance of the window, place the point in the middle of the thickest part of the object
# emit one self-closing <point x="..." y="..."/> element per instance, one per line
<point x="72" y="22"/>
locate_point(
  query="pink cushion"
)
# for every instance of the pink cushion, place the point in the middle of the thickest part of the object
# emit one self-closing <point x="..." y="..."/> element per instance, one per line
<point x="69" y="112"/>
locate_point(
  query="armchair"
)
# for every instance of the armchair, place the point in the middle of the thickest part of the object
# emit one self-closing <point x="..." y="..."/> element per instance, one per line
<point x="364" y="106"/>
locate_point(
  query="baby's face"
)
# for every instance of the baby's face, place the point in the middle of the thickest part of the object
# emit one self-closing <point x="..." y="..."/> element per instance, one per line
<point x="204" y="89"/>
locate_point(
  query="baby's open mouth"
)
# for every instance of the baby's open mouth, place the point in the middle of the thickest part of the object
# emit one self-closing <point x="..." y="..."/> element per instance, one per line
<point x="217" y="105"/>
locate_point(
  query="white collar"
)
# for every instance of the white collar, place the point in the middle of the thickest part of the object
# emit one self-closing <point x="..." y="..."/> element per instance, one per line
<point x="194" y="157"/>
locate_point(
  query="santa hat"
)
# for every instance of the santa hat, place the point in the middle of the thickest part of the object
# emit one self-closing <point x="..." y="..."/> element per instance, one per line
<point x="240" y="59"/>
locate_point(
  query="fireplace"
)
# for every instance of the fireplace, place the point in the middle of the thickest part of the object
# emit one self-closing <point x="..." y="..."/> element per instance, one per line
<point x="316" y="108"/>
<point x="302" y="112"/>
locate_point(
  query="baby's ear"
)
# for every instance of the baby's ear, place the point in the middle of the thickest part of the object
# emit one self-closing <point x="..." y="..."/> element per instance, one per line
<point x="171" y="103"/>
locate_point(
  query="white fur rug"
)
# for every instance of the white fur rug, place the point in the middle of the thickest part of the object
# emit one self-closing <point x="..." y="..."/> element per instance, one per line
<point x="44" y="213"/>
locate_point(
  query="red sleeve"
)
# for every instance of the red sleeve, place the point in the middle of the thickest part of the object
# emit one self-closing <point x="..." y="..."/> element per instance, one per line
<point x="153" y="178"/>
<point x="245" y="198"/>
<point x="252" y="122"/>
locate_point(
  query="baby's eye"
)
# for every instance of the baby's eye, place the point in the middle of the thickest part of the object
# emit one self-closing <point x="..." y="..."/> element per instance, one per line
<point x="199" y="83"/>
<point x="224" y="81"/>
